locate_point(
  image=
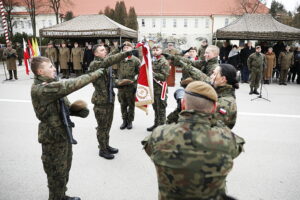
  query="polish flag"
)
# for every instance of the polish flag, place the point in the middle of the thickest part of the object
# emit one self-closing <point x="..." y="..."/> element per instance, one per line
<point x="26" y="56"/>
<point x="144" y="93"/>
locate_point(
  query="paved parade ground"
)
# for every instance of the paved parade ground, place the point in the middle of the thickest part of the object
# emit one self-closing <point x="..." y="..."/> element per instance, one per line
<point x="269" y="169"/>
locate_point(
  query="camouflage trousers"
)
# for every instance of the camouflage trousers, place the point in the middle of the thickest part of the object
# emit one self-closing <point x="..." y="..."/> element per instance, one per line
<point x="159" y="107"/>
<point x="57" y="161"/>
<point x="126" y="97"/>
<point x="255" y="78"/>
<point x="104" y="115"/>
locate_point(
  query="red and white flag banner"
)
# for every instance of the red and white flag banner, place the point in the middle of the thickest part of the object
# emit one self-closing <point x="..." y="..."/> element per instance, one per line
<point x="144" y="92"/>
<point x="26" y="56"/>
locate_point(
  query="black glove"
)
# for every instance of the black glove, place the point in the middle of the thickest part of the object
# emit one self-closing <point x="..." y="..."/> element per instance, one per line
<point x="121" y="47"/>
<point x="168" y="56"/>
<point x="184" y="52"/>
<point x="133" y="52"/>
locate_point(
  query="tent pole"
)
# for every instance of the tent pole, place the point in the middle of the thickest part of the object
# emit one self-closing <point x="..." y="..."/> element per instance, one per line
<point x="216" y="41"/>
<point x="40" y="47"/>
<point x="120" y="40"/>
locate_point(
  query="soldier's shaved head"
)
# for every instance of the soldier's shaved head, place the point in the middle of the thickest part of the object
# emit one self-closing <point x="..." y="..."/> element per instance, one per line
<point x="37" y="62"/>
<point x="211" y="51"/>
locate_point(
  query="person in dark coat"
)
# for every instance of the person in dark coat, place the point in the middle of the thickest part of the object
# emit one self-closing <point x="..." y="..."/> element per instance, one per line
<point x="234" y="56"/>
<point x="88" y="57"/>
<point x="297" y="63"/>
<point x="224" y="52"/>
<point x="245" y="53"/>
<point x="277" y="48"/>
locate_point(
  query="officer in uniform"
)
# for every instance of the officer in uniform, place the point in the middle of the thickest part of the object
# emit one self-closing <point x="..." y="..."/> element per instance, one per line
<point x="51" y="53"/>
<point x="160" y="74"/>
<point x="104" y="97"/>
<point x="64" y="58"/>
<point x="77" y="59"/>
<point x="194" y="156"/>
<point x="285" y="61"/>
<point x="11" y="56"/>
<point x="201" y="52"/>
<point x="127" y="72"/>
<point x="20" y="53"/>
<point x="256" y="63"/>
<point x="46" y="93"/>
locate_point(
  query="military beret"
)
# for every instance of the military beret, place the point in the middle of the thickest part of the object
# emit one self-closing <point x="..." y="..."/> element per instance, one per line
<point x="78" y="105"/>
<point x="202" y="90"/>
<point x="128" y="44"/>
<point x="156" y="46"/>
<point x="185" y="82"/>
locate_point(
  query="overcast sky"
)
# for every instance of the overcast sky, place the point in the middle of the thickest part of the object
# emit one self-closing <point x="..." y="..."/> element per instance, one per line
<point x="289" y="5"/>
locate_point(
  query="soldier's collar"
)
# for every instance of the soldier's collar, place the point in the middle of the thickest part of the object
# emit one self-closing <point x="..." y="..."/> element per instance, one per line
<point x="193" y="115"/>
<point x="98" y="58"/>
<point x="44" y="79"/>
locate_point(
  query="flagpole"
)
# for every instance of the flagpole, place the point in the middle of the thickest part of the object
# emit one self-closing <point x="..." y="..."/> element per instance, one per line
<point x="4" y="23"/>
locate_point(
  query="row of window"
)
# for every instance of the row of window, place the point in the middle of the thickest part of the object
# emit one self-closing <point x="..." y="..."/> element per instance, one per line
<point x="185" y="23"/>
<point x="22" y="24"/>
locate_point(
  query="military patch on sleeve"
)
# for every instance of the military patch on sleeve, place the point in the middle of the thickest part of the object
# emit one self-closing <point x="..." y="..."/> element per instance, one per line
<point x="44" y="83"/>
<point x="222" y="111"/>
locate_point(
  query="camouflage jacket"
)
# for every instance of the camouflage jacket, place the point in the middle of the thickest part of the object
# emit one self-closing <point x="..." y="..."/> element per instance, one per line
<point x="161" y="70"/>
<point x="189" y="71"/>
<point x="128" y="69"/>
<point x="226" y="106"/>
<point x="101" y="85"/>
<point x="206" y="67"/>
<point x="256" y="62"/>
<point x="45" y="94"/>
<point x="193" y="157"/>
<point x="286" y="60"/>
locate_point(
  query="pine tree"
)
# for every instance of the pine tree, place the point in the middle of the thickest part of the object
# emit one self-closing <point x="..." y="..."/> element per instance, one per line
<point x="69" y="15"/>
<point x="131" y="21"/>
<point x="109" y="12"/>
<point x="120" y="14"/>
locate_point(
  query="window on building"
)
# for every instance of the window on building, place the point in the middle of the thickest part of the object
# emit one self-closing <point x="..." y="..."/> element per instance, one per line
<point x="185" y="23"/>
<point x="143" y="22"/>
<point x="153" y="23"/>
<point x="164" y="23"/>
<point x="196" y="23"/>
<point x="50" y="22"/>
<point x="174" y="23"/>
<point x="226" y="21"/>
<point x="206" y="23"/>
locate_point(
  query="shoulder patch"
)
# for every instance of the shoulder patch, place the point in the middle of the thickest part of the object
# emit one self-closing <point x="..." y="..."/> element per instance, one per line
<point x="222" y="111"/>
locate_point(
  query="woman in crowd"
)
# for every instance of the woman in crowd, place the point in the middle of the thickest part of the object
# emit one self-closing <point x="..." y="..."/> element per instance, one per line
<point x="270" y="65"/>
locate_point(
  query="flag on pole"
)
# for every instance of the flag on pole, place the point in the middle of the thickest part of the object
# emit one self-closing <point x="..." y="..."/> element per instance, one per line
<point x="30" y="48"/>
<point x="144" y="92"/>
<point x="37" y="48"/>
<point x="26" y="56"/>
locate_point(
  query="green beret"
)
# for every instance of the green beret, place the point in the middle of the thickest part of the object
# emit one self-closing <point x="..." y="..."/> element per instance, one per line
<point x="202" y="90"/>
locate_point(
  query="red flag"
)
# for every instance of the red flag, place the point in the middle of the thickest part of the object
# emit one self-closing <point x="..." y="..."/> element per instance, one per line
<point x="30" y="48"/>
<point x="26" y="56"/>
<point x="144" y="92"/>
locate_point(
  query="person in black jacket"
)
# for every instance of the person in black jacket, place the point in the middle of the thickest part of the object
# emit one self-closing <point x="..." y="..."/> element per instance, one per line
<point x="245" y="53"/>
<point x="88" y="57"/>
<point x="234" y="57"/>
<point x="224" y="52"/>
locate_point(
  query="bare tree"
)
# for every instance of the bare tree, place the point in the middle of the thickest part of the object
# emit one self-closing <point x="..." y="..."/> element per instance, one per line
<point x="8" y="7"/>
<point x="250" y="6"/>
<point x="31" y="7"/>
<point x="56" y="6"/>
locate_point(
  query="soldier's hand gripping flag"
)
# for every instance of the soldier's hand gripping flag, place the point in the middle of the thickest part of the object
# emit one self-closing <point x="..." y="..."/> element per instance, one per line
<point x="144" y="92"/>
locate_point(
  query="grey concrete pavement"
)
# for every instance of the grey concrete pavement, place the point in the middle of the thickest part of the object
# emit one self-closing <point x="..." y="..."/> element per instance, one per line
<point x="267" y="170"/>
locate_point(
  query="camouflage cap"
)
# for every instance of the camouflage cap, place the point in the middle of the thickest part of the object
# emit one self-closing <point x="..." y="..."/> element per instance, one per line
<point x="156" y="46"/>
<point x="202" y="90"/>
<point x="126" y="43"/>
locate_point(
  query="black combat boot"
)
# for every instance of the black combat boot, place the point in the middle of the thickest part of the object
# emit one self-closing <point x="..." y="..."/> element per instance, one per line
<point x="255" y="91"/>
<point x="112" y="150"/>
<point x="129" y="125"/>
<point x="251" y="91"/>
<point x="123" y="125"/>
<point x="10" y="74"/>
<point x="71" y="198"/>
<point x="105" y="154"/>
<point x="15" y="75"/>
<point x="152" y="128"/>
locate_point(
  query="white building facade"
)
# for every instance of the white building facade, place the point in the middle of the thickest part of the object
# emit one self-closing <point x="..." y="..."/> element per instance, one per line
<point x="22" y="22"/>
<point x="185" y="30"/>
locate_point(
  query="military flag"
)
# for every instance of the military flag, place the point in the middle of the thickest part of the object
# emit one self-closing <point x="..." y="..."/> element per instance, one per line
<point x="144" y="92"/>
<point x="35" y="47"/>
<point x="26" y="56"/>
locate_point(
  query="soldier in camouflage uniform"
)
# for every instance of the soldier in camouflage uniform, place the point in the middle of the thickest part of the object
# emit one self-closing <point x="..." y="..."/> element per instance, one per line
<point x="103" y="97"/>
<point x="127" y="72"/>
<point x="46" y="92"/>
<point x="224" y="81"/>
<point x="201" y="51"/>
<point x="256" y="63"/>
<point x="194" y="156"/>
<point x="161" y="70"/>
